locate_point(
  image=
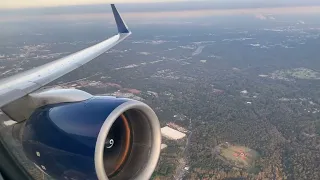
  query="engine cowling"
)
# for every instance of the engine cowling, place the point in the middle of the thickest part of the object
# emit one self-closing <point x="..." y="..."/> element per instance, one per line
<point x="98" y="138"/>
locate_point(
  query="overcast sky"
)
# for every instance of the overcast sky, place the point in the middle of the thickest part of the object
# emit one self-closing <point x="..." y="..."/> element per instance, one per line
<point x="25" y="10"/>
<point x="49" y="3"/>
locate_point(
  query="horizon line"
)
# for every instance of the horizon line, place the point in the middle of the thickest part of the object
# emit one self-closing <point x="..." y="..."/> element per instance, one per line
<point x="179" y="13"/>
<point x="98" y="3"/>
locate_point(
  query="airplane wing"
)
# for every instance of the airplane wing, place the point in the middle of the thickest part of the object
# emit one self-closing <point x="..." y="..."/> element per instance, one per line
<point x="70" y="134"/>
<point x="22" y="84"/>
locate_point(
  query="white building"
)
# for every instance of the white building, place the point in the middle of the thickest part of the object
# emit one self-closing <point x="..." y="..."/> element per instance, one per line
<point x="171" y="133"/>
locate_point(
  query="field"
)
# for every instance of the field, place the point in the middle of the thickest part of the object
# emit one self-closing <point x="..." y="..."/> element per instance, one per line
<point x="297" y="73"/>
<point x="238" y="156"/>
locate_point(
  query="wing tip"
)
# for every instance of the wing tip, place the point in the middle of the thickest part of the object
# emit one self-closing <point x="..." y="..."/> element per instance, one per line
<point x="122" y="27"/>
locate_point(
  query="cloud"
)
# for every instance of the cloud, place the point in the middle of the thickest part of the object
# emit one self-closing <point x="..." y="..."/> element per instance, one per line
<point x="264" y="17"/>
<point x="260" y="16"/>
<point x="272" y="18"/>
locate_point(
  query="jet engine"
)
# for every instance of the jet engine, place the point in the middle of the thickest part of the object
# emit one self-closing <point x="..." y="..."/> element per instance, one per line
<point x="97" y="137"/>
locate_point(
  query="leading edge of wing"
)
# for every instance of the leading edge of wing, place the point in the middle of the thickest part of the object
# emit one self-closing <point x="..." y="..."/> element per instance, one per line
<point x="19" y="85"/>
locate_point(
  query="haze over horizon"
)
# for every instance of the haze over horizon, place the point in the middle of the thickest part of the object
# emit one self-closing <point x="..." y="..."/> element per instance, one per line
<point x="152" y="9"/>
<point x="21" y="4"/>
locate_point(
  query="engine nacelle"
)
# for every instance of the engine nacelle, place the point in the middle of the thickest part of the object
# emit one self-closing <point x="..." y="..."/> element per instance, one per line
<point x="98" y="138"/>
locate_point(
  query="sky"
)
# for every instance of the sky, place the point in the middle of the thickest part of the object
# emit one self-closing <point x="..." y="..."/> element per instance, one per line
<point x="50" y="3"/>
<point x="9" y="4"/>
<point x="25" y="10"/>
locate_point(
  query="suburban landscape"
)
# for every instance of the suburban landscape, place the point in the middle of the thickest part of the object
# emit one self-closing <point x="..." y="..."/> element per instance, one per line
<point x="235" y="100"/>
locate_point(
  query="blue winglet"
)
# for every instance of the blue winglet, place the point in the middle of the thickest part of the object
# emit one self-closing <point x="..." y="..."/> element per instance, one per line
<point x="122" y="27"/>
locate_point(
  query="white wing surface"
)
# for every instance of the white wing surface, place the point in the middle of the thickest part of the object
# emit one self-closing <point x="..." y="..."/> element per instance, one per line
<point x="22" y="84"/>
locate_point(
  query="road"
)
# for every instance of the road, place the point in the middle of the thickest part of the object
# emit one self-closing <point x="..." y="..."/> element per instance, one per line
<point x="184" y="161"/>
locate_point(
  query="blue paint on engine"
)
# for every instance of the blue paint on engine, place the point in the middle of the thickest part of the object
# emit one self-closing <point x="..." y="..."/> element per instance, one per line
<point x="65" y="136"/>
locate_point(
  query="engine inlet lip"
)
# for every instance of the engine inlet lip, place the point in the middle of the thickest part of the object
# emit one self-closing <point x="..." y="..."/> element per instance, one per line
<point x="156" y="139"/>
